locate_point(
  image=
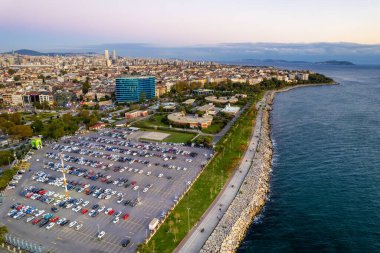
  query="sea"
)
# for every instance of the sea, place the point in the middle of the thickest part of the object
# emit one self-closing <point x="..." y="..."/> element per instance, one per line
<point x="325" y="182"/>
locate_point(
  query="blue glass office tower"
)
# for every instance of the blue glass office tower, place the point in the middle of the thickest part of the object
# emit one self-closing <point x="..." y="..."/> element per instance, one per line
<point x="130" y="88"/>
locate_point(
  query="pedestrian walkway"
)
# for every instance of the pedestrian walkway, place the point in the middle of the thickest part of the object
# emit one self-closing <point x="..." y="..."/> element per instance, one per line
<point x="196" y="238"/>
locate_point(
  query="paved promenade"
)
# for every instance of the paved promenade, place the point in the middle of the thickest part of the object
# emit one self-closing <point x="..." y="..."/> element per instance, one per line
<point x="194" y="241"/>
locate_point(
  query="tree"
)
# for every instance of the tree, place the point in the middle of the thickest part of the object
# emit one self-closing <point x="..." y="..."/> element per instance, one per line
<point x="175" y="232"/>
<point x="16" y="118"/>
<point x="37" y="126"/>
<point x="171" y="223"/>
<point x="17" y="78"/>
<point x="11" y="71"/>
<point x="55" y="129"/>
<point x="21" y="131"/>
<point x="6" y="157"/>
<point x="3" y="231"/>
<point x="86" y="86"/>
<point x="176" y="216"/>
<point x="142" y="97"/>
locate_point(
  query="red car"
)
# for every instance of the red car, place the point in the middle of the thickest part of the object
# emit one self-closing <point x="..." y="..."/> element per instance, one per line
<point x="84" y="211"/>
<point x="134" y="183"/>
<point x="125" y="216"/>
<point x="19" y="208"/>
<point x="35" y="221"/>
<point x="54" y="219"/>
<point x="29" y="195"/>
<point x="42" y="192"/>
<point x="111" y="212"/>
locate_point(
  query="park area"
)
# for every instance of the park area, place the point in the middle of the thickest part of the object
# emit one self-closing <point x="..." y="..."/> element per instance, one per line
<point x="205" y="189"/>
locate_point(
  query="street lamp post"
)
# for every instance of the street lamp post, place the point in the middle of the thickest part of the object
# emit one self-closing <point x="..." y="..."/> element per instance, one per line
<point x="188" y="218"/>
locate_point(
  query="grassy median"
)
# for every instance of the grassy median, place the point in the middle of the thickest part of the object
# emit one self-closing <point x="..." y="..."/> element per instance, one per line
<point x="196" y="201"/>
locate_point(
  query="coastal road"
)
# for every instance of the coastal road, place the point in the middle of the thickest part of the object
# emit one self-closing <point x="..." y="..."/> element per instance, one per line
<point x="195" y="239"/>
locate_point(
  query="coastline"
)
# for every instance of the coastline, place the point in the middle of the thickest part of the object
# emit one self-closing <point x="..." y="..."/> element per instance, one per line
<point x="254" y="189"/>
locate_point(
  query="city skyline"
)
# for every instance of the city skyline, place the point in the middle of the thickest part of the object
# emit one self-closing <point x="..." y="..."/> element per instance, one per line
<point x="70" y="25"/>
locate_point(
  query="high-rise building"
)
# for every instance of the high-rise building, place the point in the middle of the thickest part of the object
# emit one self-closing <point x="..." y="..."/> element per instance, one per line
<point x="106" y="54"/>
<point x="114" y="55"/>
<point x="135" y="88"/>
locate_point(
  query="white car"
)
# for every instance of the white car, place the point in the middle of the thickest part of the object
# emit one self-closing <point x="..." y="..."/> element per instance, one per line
<point x="51" y="224"/>
<point x="101" y="234"/>
<point x="116" y="220"/>
<point x="136" y="188"/>
<point x="78" y="226"/>
<point x="72" y="224"/>
<point x="141" y="171"/>
<point x="29" y="218"/>
<point x="145" y="189"/>
<point x="148" y="173"/>
<point x="85" y="203"/>
<point x="119" y="201"/>
<point x="160" y="175"/>
<point x="101" y="209"/>
<point x="77" y="209"/>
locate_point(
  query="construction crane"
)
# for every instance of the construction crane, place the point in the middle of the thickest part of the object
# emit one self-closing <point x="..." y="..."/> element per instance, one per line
<point x="64" y="177"/>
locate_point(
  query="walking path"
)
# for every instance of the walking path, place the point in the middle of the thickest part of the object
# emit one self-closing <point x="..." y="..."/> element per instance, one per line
<point x="195" y="239"/>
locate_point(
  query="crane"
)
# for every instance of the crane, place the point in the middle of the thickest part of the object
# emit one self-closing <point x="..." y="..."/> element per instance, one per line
<point x="64" y="177"/>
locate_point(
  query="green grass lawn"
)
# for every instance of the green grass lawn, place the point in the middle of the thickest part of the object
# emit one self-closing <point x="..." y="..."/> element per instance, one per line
<point x="230" y="150"/>
<point x="152" y="121"/>
<point x="214" y="128"/>
<point x="175" y="136"/>
<point x="40" y="116"/>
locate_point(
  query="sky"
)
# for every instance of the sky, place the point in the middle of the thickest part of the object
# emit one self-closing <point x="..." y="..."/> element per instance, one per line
<point x="70" y="25"/>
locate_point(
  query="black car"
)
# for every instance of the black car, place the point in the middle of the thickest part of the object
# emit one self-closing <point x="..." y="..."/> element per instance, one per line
<point x="64" y="222"/>
<point x="54" y="209"/>
<point x="43" y="223"/>
<point x="125" y="242"/>
<point x="96" y="206"/>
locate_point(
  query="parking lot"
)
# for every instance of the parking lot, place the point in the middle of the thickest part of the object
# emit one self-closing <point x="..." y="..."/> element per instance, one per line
<point x="117" y="185"/>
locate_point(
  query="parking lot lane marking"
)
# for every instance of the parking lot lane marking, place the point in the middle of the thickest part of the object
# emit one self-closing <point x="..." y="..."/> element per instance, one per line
<point x="103" y="247"/>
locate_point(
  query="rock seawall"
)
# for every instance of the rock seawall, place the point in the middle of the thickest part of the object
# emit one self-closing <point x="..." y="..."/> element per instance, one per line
<point x="251" y="197"/>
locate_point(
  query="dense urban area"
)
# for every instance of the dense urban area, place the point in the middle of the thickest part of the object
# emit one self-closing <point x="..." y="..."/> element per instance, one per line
<point x="111" y="154"/>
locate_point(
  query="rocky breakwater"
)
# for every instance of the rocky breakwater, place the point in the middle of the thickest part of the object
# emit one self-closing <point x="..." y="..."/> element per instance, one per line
<point x="251" y="197"/>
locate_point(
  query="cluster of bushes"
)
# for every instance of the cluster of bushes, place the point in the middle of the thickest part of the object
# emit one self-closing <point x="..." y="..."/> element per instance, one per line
<point x="12" y="124"/>
<point x="203" y="140"/>
<point x="6" y="177"/>
<point x="6" y="157"/>
<point x="3" y="231"/>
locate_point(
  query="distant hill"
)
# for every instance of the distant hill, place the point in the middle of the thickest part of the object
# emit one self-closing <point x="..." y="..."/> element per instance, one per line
<point x="269" y="62"/>
<point x="335" y="62"/>
<point x="272" y="61"/>
<point x="36" y="53"/>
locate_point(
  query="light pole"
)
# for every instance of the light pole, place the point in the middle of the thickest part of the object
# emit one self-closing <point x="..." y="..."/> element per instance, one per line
<point x="188" y="217"/>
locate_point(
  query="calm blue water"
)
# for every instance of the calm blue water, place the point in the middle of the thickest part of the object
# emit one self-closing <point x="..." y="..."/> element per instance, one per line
<point x="325" y="187"/>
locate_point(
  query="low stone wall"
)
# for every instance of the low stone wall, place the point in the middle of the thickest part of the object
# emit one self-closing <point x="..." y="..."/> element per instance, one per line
<point x="252" y="195"/>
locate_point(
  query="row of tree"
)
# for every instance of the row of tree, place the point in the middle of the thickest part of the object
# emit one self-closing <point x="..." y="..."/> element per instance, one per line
<point x="66" y="125"/>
